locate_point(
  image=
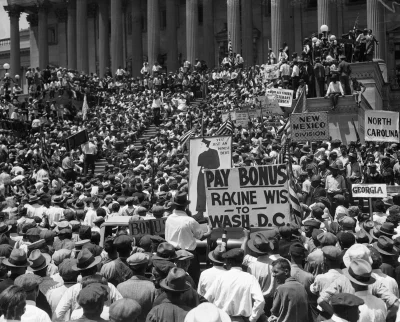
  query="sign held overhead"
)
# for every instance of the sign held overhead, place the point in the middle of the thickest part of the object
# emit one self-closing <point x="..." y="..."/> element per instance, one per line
<point x="369" y="190"/>
<point x="382" y="126"/>
<point x="310" y="126"/>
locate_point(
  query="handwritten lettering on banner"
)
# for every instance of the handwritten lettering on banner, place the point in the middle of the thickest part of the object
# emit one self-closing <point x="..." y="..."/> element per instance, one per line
<point x="283" y="96"/>
<point x="369" y="190"/>
<point x="242" y="118"/>
<point x="269" y="105"/>
<point x="309" y="126"/>
<point x="271" y="71"/>
<point x="225" y="116"/>
<point x="381" y="126"/>
<point x="248" y="196"/>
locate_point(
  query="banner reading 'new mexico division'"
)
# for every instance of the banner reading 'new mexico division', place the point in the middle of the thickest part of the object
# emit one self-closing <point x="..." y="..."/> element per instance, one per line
<point x="248" y="196"/>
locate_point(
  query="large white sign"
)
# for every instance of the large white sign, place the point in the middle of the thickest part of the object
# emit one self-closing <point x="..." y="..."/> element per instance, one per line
<point x="206" y="153"/>
<point x="283" y="96"/>
<point x="309" y="126"/>
<point x="366" y="190"/>
<point x="381" y="126"/>
<point x="248" y="196"/>
<point x="271" y="71"/>
<point x="269" y="105"/>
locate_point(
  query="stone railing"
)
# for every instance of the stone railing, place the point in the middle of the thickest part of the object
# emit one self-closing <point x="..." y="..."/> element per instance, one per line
<point x="5" y="42"/>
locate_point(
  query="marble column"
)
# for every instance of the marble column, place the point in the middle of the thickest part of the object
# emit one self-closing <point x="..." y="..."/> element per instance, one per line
<point x="191" y="30"/>
<point x="82" y="47"/>
<point x="375" y="22"/>
<point x="324" y="14"/>
<point x="33" y="20"/>
<point x="62" y="17"/>
<point x="208" y="33"/>
<point x="104" y="39"/>
<point x="43" y="37"/>
<point x="276" y="25"/>
<point x="71" y="35"/>
<point x="233" y="7"/>
<point x="172" y="50"/>
<point x="92" y="36"/>
<point x="137" y="39"/>
<point x="14" y="13"/>
<point x="247" y="33"/>
<point x="117" y="50"/>
<point x="153" y="31"/>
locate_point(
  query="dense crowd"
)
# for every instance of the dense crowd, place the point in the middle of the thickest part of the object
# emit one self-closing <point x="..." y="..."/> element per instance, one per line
<point x="334" y="259"/>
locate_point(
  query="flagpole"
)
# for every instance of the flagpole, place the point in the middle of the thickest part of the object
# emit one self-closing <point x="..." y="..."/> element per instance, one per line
<point x="202" y="124"/>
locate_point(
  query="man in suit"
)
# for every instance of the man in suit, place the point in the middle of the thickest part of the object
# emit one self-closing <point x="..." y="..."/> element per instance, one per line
<point x="208" y="159"/>
<point x="344" y="74"/>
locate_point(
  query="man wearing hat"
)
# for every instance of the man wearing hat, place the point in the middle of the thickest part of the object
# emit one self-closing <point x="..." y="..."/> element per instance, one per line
<point x="30" y="284"/>
<point x="345" y="307"/>
<point x="17" y="263"/>
<point x="208" y="276"/>
<point x="335" y="183"/>
<point x="139" y="287"/>
<point x="344" y="74"/>
<point x="171" y="308"/>
<point x="229" y="289"/>
<point x="181" y="231"/>
<point x="86" y="265"/>
<point x="125" y="310"/>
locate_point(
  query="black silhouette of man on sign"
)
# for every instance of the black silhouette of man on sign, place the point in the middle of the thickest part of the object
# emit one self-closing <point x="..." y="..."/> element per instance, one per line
<point x="208" y="159"/>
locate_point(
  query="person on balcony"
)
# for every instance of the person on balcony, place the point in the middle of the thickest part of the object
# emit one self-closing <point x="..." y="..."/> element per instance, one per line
<point x="335" y="90"/>
<point x="344" y="74"/>
<point x="358" y="89"/>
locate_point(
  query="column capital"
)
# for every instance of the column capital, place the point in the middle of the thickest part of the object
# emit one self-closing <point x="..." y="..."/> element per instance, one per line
<point x="61" y="14"/>
<point x="92" y="10"/>
<point x="14" y="10"/>
<point x="33" y="19"/>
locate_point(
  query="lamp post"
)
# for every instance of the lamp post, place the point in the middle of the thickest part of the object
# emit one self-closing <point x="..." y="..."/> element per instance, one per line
<point x="6" y="66"/>
<point x="324" y="29"/>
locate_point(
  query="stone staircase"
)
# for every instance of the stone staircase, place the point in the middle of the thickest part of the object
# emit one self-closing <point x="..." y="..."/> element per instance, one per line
<point x="149" y="133"/>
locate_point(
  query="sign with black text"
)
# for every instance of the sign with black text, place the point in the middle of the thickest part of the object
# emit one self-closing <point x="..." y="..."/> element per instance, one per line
<point x="206" y="153"/>
<point x="309" y="126"/>
<point x="283" y="96"/>
<point x="366" y="190"/>
<point x="248" y="196"/>
<point x="381" y="126"/>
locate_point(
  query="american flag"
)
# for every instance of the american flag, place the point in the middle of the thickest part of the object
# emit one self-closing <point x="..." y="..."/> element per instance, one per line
<point x="183" y="139"/>
<point x="85" y="108"/>
<point x="301" y="104"/>
<point x="285" y="132"/>
<point x="226" y="128"/>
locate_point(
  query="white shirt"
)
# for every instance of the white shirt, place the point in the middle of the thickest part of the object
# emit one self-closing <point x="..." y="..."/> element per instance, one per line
<point x="386" y="280"/>
<point x="207" y="277"/>
<point x="373" y="309"/>
<point x="32" y="314"/>
<point x="69" y="299"/>
<point x="54" y="214"/>
<point x="89" y="148"/>
<point x="234" y="292"/>
<point x="90" y="217"/>
<point x="182" y="231"/>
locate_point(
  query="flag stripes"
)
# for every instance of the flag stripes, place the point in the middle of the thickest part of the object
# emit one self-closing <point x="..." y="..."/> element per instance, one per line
<point x="226" y="128"/>
<point x="183" y="139"/>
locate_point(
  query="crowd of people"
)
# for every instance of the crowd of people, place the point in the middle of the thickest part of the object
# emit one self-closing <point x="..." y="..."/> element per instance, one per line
<point x="334" y="263"/>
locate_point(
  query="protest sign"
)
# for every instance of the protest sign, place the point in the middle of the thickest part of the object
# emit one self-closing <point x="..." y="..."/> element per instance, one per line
<point x="369" y="190"/>
<point x="248" y="196"/>
<point x="75" y="140"/>
<point x="242" y="118"/>
<point x="206" y="153"/>
<point x="269" y="105"/>
<point x="309" y="126"/>
<point x="225" y="116"/>
<point x="381" y="126"/>
<point x="271" y="71"/>
<point x="283" y="96"/>
<point x="139" y="228"/>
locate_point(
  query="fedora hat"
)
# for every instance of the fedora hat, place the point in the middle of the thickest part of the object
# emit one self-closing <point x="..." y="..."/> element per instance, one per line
<point x="387" y="229"/>
<point x="58" y="199"/>
<point x="80" y="204"/>
<point x="165" y="251"/>
<point x="175" y="281"/>
<point x="359" y="272"/>
<point x="181" y="199"/>
<point x="357" y="251"/>
<point x="207" y="312"/>
<point x="38" y="260"/>
<point x="385" y="245"/>
<point x="362" y="237"/>
<point x="260" y="244"/>
<point x="216" y="254"/>
<point x="33" y="198"/>
<point x="17" y="259"/>
<point x="85" y="260"/>
<point x="305" y="149"/>
<point x="4" y="228"/>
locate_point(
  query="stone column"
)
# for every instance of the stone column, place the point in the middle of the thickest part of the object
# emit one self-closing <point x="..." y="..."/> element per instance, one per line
<point x="117" y="50"/>
<point x="62" y="17"/>
<point x="104" y="39"/>
<point x="234" y="24"/>
<point x="33" y="20"/>
<point x="43" y="37"/>
<point x="82" y="36"/>
<point x="247" y="33"/>
<point x="375" y="22"/>
<point x="172" y="50"/>
<point x="153" y="31"/>
<point x="276" y="26"/>
<point x="14" y="13"/>
<point x="208" y="33"/>
<point x="137" y="39"/>
<point x="191" y="30"/>
<point x="71" y="35"/>
<point x="324" y="13"/>
<point x="92" y="36"/>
